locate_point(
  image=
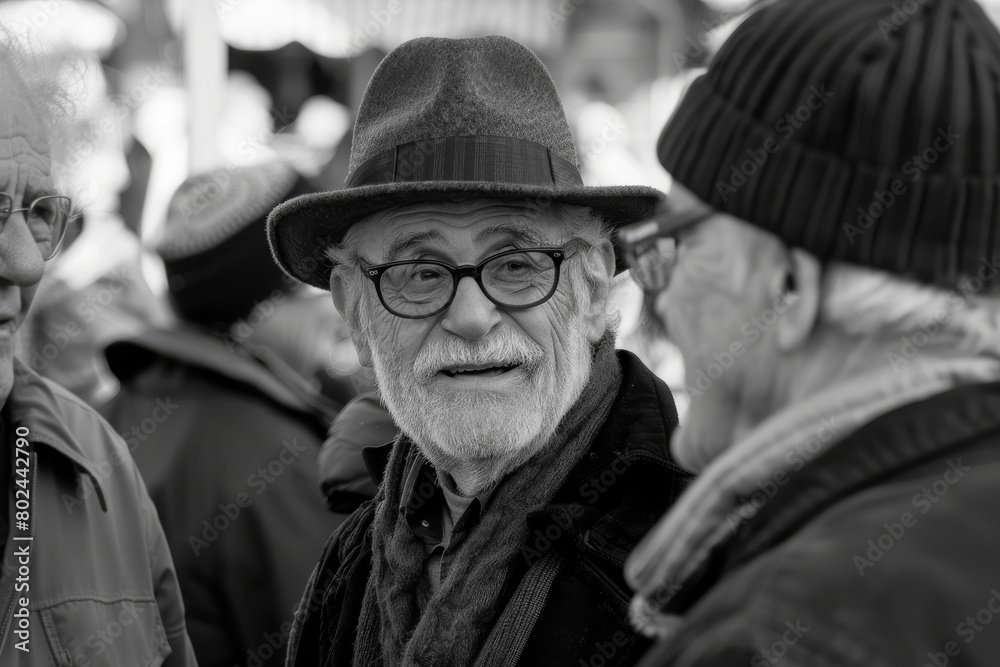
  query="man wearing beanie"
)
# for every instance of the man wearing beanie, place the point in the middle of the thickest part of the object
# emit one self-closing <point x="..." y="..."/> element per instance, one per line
<point x="222" y="421"/>
<point x="834" y="290"/>
<point x="473" y="269"/>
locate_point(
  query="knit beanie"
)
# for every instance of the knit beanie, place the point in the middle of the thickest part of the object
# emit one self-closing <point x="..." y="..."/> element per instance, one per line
<point x="214" y="246"/>
<point x="858" y="130"/>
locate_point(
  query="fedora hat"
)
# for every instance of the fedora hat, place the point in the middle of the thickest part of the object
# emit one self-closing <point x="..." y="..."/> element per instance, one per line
<point x="446" y="118"/>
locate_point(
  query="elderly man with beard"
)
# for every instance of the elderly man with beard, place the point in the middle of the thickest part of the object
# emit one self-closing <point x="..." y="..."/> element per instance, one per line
<point x="839" y="317"/>
<point x="87" y="578"/>
<point x="473" y="268"/>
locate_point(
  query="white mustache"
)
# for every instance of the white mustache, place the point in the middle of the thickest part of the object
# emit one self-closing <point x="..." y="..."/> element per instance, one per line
<point x="501" y="349"/>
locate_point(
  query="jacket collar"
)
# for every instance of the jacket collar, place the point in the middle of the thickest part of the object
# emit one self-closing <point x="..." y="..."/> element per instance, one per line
<point x="914" y="434"/>
<point x="687" y="540"/>
<point x="33" y="404"/>
<point x="642" y="420"/>
<point x="904" y="438"/>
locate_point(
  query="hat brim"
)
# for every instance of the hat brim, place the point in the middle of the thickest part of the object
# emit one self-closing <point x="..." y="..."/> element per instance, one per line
<point x="301" y="229"/>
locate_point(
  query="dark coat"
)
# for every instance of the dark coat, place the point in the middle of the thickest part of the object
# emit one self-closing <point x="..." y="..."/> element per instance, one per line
<point x="883" y="551"/>
<point x="228" y="452"/>
<point x="612" y="497"/>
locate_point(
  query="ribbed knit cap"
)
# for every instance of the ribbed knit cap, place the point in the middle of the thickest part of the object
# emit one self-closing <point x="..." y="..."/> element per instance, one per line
<point x="214" y="244"/>
<point x="861" y="130"/>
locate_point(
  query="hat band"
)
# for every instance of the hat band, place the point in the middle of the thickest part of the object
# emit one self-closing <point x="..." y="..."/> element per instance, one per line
<point x="468" y="158"/>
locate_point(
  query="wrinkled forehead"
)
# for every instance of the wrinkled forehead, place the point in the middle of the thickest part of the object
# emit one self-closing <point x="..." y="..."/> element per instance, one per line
<point x="22" y="132"/>
<point x="462" y="225"/>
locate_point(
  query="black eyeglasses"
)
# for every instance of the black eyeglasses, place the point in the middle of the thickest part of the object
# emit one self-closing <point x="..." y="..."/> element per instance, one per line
<point x="649" y="248"/>
<point x="513" y="279"/>
<point x="47" y="218"/>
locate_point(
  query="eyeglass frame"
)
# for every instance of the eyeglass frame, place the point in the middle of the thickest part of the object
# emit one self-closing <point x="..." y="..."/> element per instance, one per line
<point x="636" y="239"/>
<point x="475" y="271"/>
<point x="27" y="210"/>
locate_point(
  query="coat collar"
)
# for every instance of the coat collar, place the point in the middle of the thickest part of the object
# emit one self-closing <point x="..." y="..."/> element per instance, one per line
<point x="33" y="404"/>
<point x="913" y="434"/>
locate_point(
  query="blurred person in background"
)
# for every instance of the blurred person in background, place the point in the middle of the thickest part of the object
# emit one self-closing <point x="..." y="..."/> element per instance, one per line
<point x="833" y="287"/>
<point x="224" y="414"/>
<point x="473" y="268"/>
<point x="344" y="479"/>
<point x="87" y="576"/>
<point x="94" y="290"/>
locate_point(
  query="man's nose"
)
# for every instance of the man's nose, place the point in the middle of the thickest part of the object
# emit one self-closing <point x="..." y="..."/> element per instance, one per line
<point x="471" y="315"/>
<point x="21" y="261"/>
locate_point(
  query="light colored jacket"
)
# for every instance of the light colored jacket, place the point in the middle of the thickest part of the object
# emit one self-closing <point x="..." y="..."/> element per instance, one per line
<point x="101" y="584"/>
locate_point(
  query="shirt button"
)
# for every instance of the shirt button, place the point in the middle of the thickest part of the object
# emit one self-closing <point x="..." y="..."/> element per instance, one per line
<point x="425" y="523"/>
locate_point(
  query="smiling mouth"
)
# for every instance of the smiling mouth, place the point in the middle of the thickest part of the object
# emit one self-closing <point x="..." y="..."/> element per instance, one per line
<point x="472" y="371"/>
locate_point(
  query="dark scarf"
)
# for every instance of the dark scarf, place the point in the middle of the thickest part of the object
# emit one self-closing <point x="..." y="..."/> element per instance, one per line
<point x="454" y="623"/>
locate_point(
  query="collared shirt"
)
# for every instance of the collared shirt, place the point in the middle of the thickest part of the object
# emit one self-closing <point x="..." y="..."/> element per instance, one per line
<point x="439" y="515"/>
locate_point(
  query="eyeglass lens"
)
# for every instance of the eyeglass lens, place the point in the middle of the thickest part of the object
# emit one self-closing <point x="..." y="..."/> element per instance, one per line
<point x="47" y="219"/>
<point x="513" y="280"/>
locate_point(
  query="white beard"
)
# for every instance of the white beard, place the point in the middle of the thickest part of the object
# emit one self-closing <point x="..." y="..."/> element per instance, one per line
<point x="499" y="429"/>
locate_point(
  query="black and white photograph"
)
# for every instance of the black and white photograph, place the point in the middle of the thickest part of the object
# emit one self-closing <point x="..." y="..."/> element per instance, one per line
<point x="499" y="333"/>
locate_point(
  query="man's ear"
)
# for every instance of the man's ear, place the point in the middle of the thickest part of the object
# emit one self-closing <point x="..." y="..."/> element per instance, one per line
<point x="797" y="299"/>
<point x="338" y="289"/>
<point x="597" y="314"/>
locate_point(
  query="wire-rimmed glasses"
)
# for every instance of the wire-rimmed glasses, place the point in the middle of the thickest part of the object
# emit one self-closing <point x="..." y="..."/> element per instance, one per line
<point x="47" y="217"/>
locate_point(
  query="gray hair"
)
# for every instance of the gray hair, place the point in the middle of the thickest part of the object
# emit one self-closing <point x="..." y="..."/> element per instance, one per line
<point x="42" y="83"/>
<point x="579" y="223"/>
<point x="861" y="302"/>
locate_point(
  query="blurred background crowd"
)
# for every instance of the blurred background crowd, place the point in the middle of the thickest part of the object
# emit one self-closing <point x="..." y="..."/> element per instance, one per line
<point x="188" y="115"/>
<point x="166" y="89"/>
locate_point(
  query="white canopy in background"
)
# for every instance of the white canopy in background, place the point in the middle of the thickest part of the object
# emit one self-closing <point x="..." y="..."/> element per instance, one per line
<point x="346" y="28"/>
